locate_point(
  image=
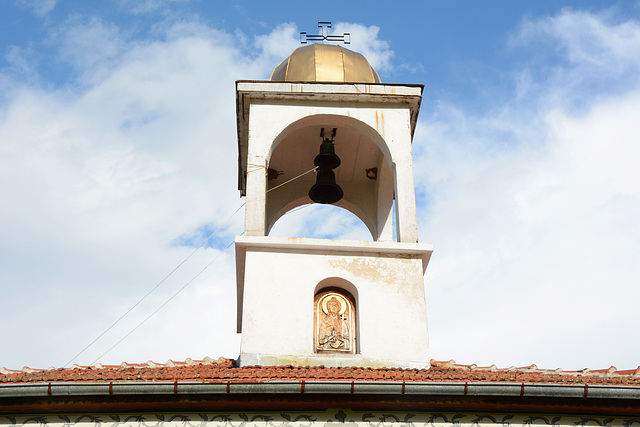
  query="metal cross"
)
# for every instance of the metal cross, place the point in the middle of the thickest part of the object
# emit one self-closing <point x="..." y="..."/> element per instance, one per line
<point x="324" y="35"/>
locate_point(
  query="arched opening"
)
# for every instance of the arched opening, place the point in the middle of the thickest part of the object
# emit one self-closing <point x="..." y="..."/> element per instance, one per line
<point x="364" y="173"/>
<point x="335" y="319"/>
<point x="320" y="222"/>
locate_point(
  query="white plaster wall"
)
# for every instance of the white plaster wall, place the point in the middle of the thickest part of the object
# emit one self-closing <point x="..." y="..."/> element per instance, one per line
<point x="386" y="125"/>
<point x="279" y="289"/>
<point x="276" y="283"/>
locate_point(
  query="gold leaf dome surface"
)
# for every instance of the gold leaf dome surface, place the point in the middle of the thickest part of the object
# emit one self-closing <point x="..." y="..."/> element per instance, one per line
<point x="325" y="63"/>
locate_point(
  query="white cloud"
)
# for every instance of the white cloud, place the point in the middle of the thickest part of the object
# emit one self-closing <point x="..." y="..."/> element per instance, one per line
<point x="109" y="172"/>
<point x="279" y="44"/>
<point x="285" y="38"/>
<point x="580" y="55"/>
<point x="146" y="6"/>
<point x="366" y="40"/>
<point x="322" y="222"/>
<point x="39" y="7"/>
<point x="585" y="38"/>
<point x="19" y="62"/>
<point x="89" y="44"/>
<point x="533" y="208"/>
<point x="106" y="178"/>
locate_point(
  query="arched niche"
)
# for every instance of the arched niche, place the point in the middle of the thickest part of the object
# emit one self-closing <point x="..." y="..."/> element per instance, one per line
<point x="335" y="317"/>
<point x="365" y="173"/>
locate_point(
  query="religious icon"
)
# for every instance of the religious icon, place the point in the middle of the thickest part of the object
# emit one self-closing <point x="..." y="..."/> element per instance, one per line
<point x="334" y="323"/>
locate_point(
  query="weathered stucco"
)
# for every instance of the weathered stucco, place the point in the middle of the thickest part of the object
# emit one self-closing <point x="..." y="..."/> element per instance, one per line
<point x="377" y="119"/>
<point x="282" y="275"/>
<point x="280" y="127"/>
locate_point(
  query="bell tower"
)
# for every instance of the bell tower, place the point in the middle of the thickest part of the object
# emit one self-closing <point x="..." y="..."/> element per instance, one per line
<point x="325" y="119"/>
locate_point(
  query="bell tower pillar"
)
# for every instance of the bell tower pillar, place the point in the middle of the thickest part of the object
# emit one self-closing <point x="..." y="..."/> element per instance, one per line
<point x="317" y="301"/>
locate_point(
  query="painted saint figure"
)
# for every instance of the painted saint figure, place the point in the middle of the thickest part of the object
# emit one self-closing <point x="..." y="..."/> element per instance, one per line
<point x="333" y="330"/>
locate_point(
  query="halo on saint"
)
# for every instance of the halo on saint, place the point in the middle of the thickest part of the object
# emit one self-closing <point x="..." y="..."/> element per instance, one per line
<point x="339" y="298"/>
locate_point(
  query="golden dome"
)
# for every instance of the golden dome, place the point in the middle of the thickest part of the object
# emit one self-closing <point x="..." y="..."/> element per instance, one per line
<point x="325" y="63"/>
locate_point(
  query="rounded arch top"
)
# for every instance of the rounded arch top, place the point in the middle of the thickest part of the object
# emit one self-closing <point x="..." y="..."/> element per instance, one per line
<point x="331" y="121"/>
<point x="335" y="316"/>
<point x="335" y="282"/>
<point x="346" y="205"/>
<point x="364" y="173"/>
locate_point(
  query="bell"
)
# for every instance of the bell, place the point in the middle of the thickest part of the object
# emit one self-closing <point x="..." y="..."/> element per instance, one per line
<point x="325" y="190"/>
<point x="327" y="159"/>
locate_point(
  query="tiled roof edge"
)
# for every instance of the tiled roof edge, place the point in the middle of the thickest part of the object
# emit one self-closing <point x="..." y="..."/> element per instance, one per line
<point x="451" y="364"/>
<point x="223" y="370"/>
<point x="223" y="362"/>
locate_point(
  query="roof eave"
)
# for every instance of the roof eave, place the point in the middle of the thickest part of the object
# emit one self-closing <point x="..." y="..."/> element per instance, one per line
<point x="290" y="395"/>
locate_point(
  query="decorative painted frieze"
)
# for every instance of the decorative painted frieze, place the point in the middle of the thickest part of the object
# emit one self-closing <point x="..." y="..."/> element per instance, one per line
<point x="309" y="419"/>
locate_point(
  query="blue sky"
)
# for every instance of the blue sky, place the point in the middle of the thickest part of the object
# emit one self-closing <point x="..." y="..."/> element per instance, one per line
<point x="118" y="153"/>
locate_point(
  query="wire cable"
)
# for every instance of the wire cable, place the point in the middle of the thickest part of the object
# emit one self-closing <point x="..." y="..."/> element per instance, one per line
<point x="295" y="177"/>
<point x="171" y="273"/>
<point x="164" y="304"/>
<point x="155" y="287"/>
<point x="297" y="209"/>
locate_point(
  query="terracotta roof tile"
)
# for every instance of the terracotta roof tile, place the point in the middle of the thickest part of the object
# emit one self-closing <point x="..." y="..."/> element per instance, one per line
<point x="225" y="370"/>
